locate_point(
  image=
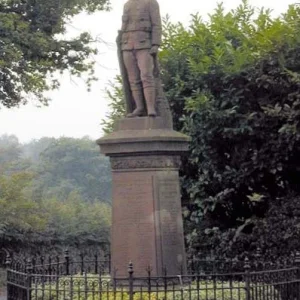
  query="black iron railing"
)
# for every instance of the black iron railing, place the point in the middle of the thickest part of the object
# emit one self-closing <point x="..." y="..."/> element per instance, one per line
<point x="64" y="281"/>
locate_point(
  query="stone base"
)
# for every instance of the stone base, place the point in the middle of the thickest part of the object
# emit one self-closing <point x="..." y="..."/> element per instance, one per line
<point x="147" y="222"/>
<point x="142" y="123"/>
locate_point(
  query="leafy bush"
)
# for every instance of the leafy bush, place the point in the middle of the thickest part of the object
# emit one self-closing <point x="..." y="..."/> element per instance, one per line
<point x="53" y="193"/>
<point x="26" y="222"/>
<point x="233" y="84"/>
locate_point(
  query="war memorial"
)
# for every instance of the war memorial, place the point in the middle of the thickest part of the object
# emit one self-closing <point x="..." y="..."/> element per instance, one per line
<point x="148" y="258"/>
<point x="144" y="152"/>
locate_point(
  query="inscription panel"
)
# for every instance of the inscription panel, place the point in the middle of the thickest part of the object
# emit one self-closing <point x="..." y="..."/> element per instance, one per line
<point x="133" y="227"/>
<point x="170" y="221"/>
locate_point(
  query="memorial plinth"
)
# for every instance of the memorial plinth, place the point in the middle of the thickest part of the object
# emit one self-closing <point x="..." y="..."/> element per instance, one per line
<point x="147" y="226"/>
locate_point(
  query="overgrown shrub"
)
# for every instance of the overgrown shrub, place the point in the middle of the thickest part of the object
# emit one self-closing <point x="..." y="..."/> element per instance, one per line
<point x="233" y="84"/>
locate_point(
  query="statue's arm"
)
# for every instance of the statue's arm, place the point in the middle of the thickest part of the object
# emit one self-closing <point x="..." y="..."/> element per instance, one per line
<point x="155" y="23"/>
<point x="124" y="18"/>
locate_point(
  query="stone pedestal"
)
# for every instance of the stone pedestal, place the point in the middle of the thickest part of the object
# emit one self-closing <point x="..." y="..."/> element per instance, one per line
<point x="147" y="224"/>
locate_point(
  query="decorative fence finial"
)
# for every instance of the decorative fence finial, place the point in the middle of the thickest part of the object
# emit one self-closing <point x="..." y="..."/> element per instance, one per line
<point x="297" y="258"/>
<point x="258" y="253"/>
<point x="8" y="260"/>
<point x="247" y="264"/>
<point x="130" y="268"/>
<point x="66" y="252"/>
<point x="29" y="266"/>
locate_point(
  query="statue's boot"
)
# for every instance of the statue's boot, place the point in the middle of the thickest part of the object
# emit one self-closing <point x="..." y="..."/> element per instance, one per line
<point x="150" y="97"/>
<point x="138" y="100"/>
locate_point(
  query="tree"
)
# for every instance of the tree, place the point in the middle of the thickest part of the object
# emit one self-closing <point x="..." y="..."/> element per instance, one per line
<point x="25" y="222"/>
<point x="34" y="148"/>
<point x="11" y="159"/>
<point x="61" y="166"/>
<point x="33" y="47"/>
<point x="10" y="149"/>
<point x="233" y="84"/>
<point x="70" y="164"/>
<point x="234" y="88"/>
<point x="53" y="194"/>
<point x="75" y="222"/>
<point x="116" y="105"/>
<point x="19" y="213"/>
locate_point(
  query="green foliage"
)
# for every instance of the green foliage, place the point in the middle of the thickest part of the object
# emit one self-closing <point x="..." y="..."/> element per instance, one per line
<point x="70" y="222"/>
<point x="18" y="211"/>
<point x="9" y="150"/>
<point x="69" y="164"/>
<point x="233" y="85"/>
<point x="33" y="47"/>
<point x="76" y="221"/>
<point x="228" y="44"/>
<point x="280" y="226"/>
<point x="62" y="166"/>
<point x="116" y="105"/>
<point x="53" y="192"/>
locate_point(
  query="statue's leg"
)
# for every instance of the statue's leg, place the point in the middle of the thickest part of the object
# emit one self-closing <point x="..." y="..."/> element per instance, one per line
<point x="146" y="67"/>
<point x="133" y="72"/>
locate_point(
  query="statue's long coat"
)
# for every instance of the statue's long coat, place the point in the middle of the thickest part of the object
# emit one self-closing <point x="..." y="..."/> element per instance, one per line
<point x="141" y="29"/>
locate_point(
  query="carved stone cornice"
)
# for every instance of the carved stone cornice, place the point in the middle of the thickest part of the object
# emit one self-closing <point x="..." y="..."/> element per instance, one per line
<point x="145" y="162"/>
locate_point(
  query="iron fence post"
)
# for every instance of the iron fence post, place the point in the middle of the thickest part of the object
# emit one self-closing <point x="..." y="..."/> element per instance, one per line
<point x="42" y="264"/>
<point x="149" y="269"/>
<point x="214" y="271"/>
<point x="297" y="265"/>
<point x="67" y="263"/>
<point x="258" y="255"/>
<point x="247" y="278"/>
<point x="28" y="269"/>
<point x="96" y="265"/>
<point x="109" y="263"/>
<point x="115" y="279"/>
<point x="49" y="265"/>
<point x="81" y="263"/>
<point x="165" y="274"/>
<point x="130" y="279"/>
<point x="33" y="263"/>
<point x="8" y="265"/>
<point x="57" y="266"/>
<point x="192" y="265"/>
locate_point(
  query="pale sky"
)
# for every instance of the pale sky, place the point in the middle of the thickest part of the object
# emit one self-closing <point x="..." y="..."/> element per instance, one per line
<point x="75" y="112"/>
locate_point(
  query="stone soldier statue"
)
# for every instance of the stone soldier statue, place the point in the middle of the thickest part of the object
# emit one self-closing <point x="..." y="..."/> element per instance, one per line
<point x="138" y="43"/>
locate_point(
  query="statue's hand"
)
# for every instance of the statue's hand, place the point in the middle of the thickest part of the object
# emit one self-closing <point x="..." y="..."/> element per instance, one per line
<point x="154" y="50"/>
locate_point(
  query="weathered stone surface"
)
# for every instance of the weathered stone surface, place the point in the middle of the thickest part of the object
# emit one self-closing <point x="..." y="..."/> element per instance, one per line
<point x="168" y="210"/>
<point x="133" y="226"/>
<point x="145" y="162"/>
<point x="142" y="123"/>
<point x="144" y="141"/>
<point x="147" y="224"/>
<point x="138" y="42"/>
